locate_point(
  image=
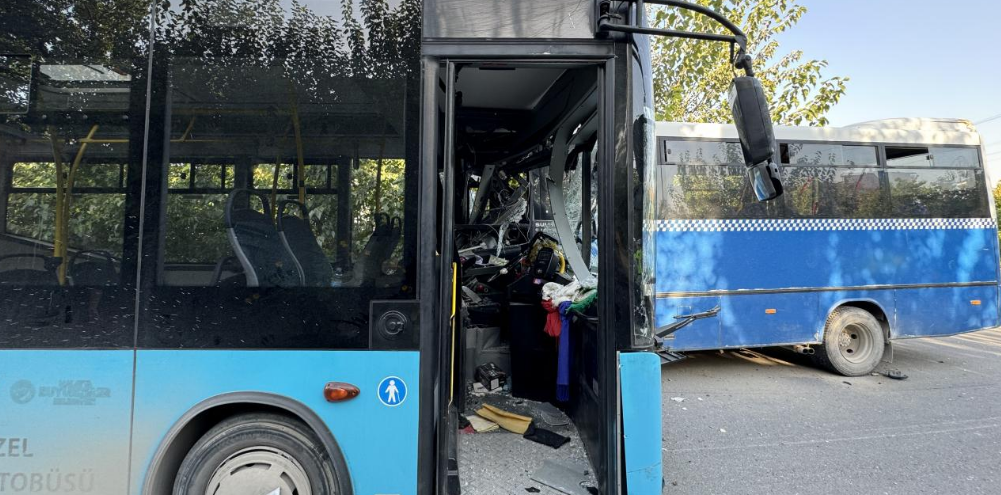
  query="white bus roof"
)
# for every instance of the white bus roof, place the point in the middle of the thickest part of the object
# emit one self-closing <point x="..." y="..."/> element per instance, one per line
<point x="925" y="131"/>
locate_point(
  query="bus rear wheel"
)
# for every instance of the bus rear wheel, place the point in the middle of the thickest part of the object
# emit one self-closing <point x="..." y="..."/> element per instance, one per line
<point x="853" y="342"/>
<point x="257" y="453"/>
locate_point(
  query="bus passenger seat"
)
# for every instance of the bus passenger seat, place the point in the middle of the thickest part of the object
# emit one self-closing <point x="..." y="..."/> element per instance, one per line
<point x="297" y="236"/>
<point x="265" y="260"/>
<point x="93" y="268"/>
<point x="41" y="272"/>
<point x="379" y="248"/>
<point x="236" y="277"/>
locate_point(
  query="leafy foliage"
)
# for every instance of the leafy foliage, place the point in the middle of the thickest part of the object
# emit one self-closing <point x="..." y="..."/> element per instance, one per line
<point x="997" y="208"/>
<point x="692" y="78"/>
<point x="97" y="219"/>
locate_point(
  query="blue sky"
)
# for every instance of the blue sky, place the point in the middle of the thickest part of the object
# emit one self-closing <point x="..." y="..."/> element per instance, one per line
<point x="910" y="58"/>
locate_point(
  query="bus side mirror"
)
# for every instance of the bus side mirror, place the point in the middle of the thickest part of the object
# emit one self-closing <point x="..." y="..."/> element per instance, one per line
<point x="757" y="138"/>
<point x="15" y="83"/>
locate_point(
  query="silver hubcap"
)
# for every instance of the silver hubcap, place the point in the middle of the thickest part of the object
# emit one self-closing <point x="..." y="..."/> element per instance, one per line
<point x="259" y="471"/>
<point x="855" y="343"/>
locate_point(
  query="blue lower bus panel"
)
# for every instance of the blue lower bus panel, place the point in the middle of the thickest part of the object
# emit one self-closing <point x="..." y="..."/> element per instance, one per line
<point x="64" y="421"/>
<point x="944" y="310"/>
<point x="776" y="280"/>
<point x="639" y="374"/>
<point x="378" y="440"/>
<point x="768" y="319"/>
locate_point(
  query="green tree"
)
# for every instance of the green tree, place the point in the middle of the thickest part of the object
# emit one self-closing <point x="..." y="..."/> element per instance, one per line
<point x="692" y="78"/>
<point x="997" y="206"/>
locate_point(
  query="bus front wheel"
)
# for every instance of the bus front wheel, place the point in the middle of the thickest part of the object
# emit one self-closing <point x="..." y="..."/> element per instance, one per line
<point x="853" y="342"/>
<point x="251" y="452"/>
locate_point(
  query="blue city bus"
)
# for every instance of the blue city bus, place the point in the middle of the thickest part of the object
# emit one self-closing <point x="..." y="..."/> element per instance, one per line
<point x="250" y="246"/>
<point x="886" y="231"/>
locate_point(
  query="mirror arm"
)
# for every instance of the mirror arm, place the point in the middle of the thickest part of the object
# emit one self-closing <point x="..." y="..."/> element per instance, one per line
<point x="742" y="59"/>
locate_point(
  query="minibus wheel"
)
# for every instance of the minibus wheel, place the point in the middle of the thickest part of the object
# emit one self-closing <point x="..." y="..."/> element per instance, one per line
<point x="853" y="342"/>
<point x="254" y="452"/>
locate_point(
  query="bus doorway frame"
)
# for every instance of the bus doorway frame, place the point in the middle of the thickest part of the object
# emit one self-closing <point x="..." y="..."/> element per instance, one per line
<point x="437" y="459"/>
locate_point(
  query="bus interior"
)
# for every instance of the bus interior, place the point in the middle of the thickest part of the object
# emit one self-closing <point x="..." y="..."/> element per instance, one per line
<point x="523" y="226"/>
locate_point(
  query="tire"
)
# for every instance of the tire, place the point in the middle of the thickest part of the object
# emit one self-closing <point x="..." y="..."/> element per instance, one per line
<point x="257" y="453"/>
<point x="853" y="342"/>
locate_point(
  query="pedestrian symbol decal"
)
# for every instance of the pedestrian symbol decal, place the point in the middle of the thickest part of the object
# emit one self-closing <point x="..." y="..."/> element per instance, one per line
<point x="392" y="391"/>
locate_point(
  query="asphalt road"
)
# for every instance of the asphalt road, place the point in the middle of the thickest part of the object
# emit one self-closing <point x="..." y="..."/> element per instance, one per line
<point x="767" y="421"/>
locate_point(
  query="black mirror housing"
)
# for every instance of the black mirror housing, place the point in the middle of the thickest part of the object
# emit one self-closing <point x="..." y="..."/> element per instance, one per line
<point x="765" y="180"/>
<point x="757" y="138"/>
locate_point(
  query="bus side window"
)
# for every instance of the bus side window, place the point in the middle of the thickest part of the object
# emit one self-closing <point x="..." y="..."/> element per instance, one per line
<point x="282" y="193"/>
<point x="91" y="222"/>
<point x="936" y="182"/>
<point x="67" y="168"/>
<point x="832" y="181"/>
<point x="706" y="180"/>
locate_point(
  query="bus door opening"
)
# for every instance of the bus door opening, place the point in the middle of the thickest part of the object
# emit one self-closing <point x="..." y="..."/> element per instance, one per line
<point x="521" y="217"/>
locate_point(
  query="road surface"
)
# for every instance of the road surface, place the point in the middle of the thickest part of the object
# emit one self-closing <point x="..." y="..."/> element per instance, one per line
<point x="767" y="421"/>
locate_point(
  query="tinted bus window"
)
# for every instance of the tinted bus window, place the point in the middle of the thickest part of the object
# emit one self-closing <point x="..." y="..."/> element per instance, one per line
<point x="72" y="113"/>
<point x="96" y="219"/>
<point x="936" y="157"/>
<point x="697" y="192"/>
<point x="938" y="193"/>
<point x="832" y="181"/>
<point x="15" y="83"/>
<point x="676" y="152"/>
<point x="255" y="254"/>
<point x="955" y="158"/>
<point x="833" y="192"/>
<point x="828" y="154"/>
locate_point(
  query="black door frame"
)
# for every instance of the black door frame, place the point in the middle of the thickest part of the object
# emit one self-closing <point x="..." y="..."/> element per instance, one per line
<point x="435" y="283"/>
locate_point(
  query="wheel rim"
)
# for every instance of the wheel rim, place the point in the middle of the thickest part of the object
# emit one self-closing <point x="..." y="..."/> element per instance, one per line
<point x="855" y="343"/>
<point x="259" y="471"/>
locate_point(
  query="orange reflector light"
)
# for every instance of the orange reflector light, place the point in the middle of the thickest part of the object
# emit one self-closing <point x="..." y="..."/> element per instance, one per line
<point x="339" y="391"/>
<point x="770" y="311"/>
<point x="975" y="302"/>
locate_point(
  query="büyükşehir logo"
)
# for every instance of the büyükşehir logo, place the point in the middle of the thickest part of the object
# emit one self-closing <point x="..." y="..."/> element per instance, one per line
<point x="22" y="391"/>
<point x="65" y="393"/>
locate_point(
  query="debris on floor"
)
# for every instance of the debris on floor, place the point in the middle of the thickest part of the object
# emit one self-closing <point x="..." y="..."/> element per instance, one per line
<point x="486" y="465"/>
<point x="678" y="399"/>
<point x="545" y="437"/>
<point x="895" y="374"/>
<point x="490" y="376"/>
<point x="510" y="421"/>
<point x="480" y="424"/>
<point x="567" y="479"/>
<point x="551" y="415"/>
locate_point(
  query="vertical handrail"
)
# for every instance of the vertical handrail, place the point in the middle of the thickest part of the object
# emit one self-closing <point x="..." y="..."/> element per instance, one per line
<point x="299" y="158"/>
<point x="278" y="166"/>
<point x="378" y="175"/>
<point x="58" y="242"/>
<point x="65" y="180"/>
